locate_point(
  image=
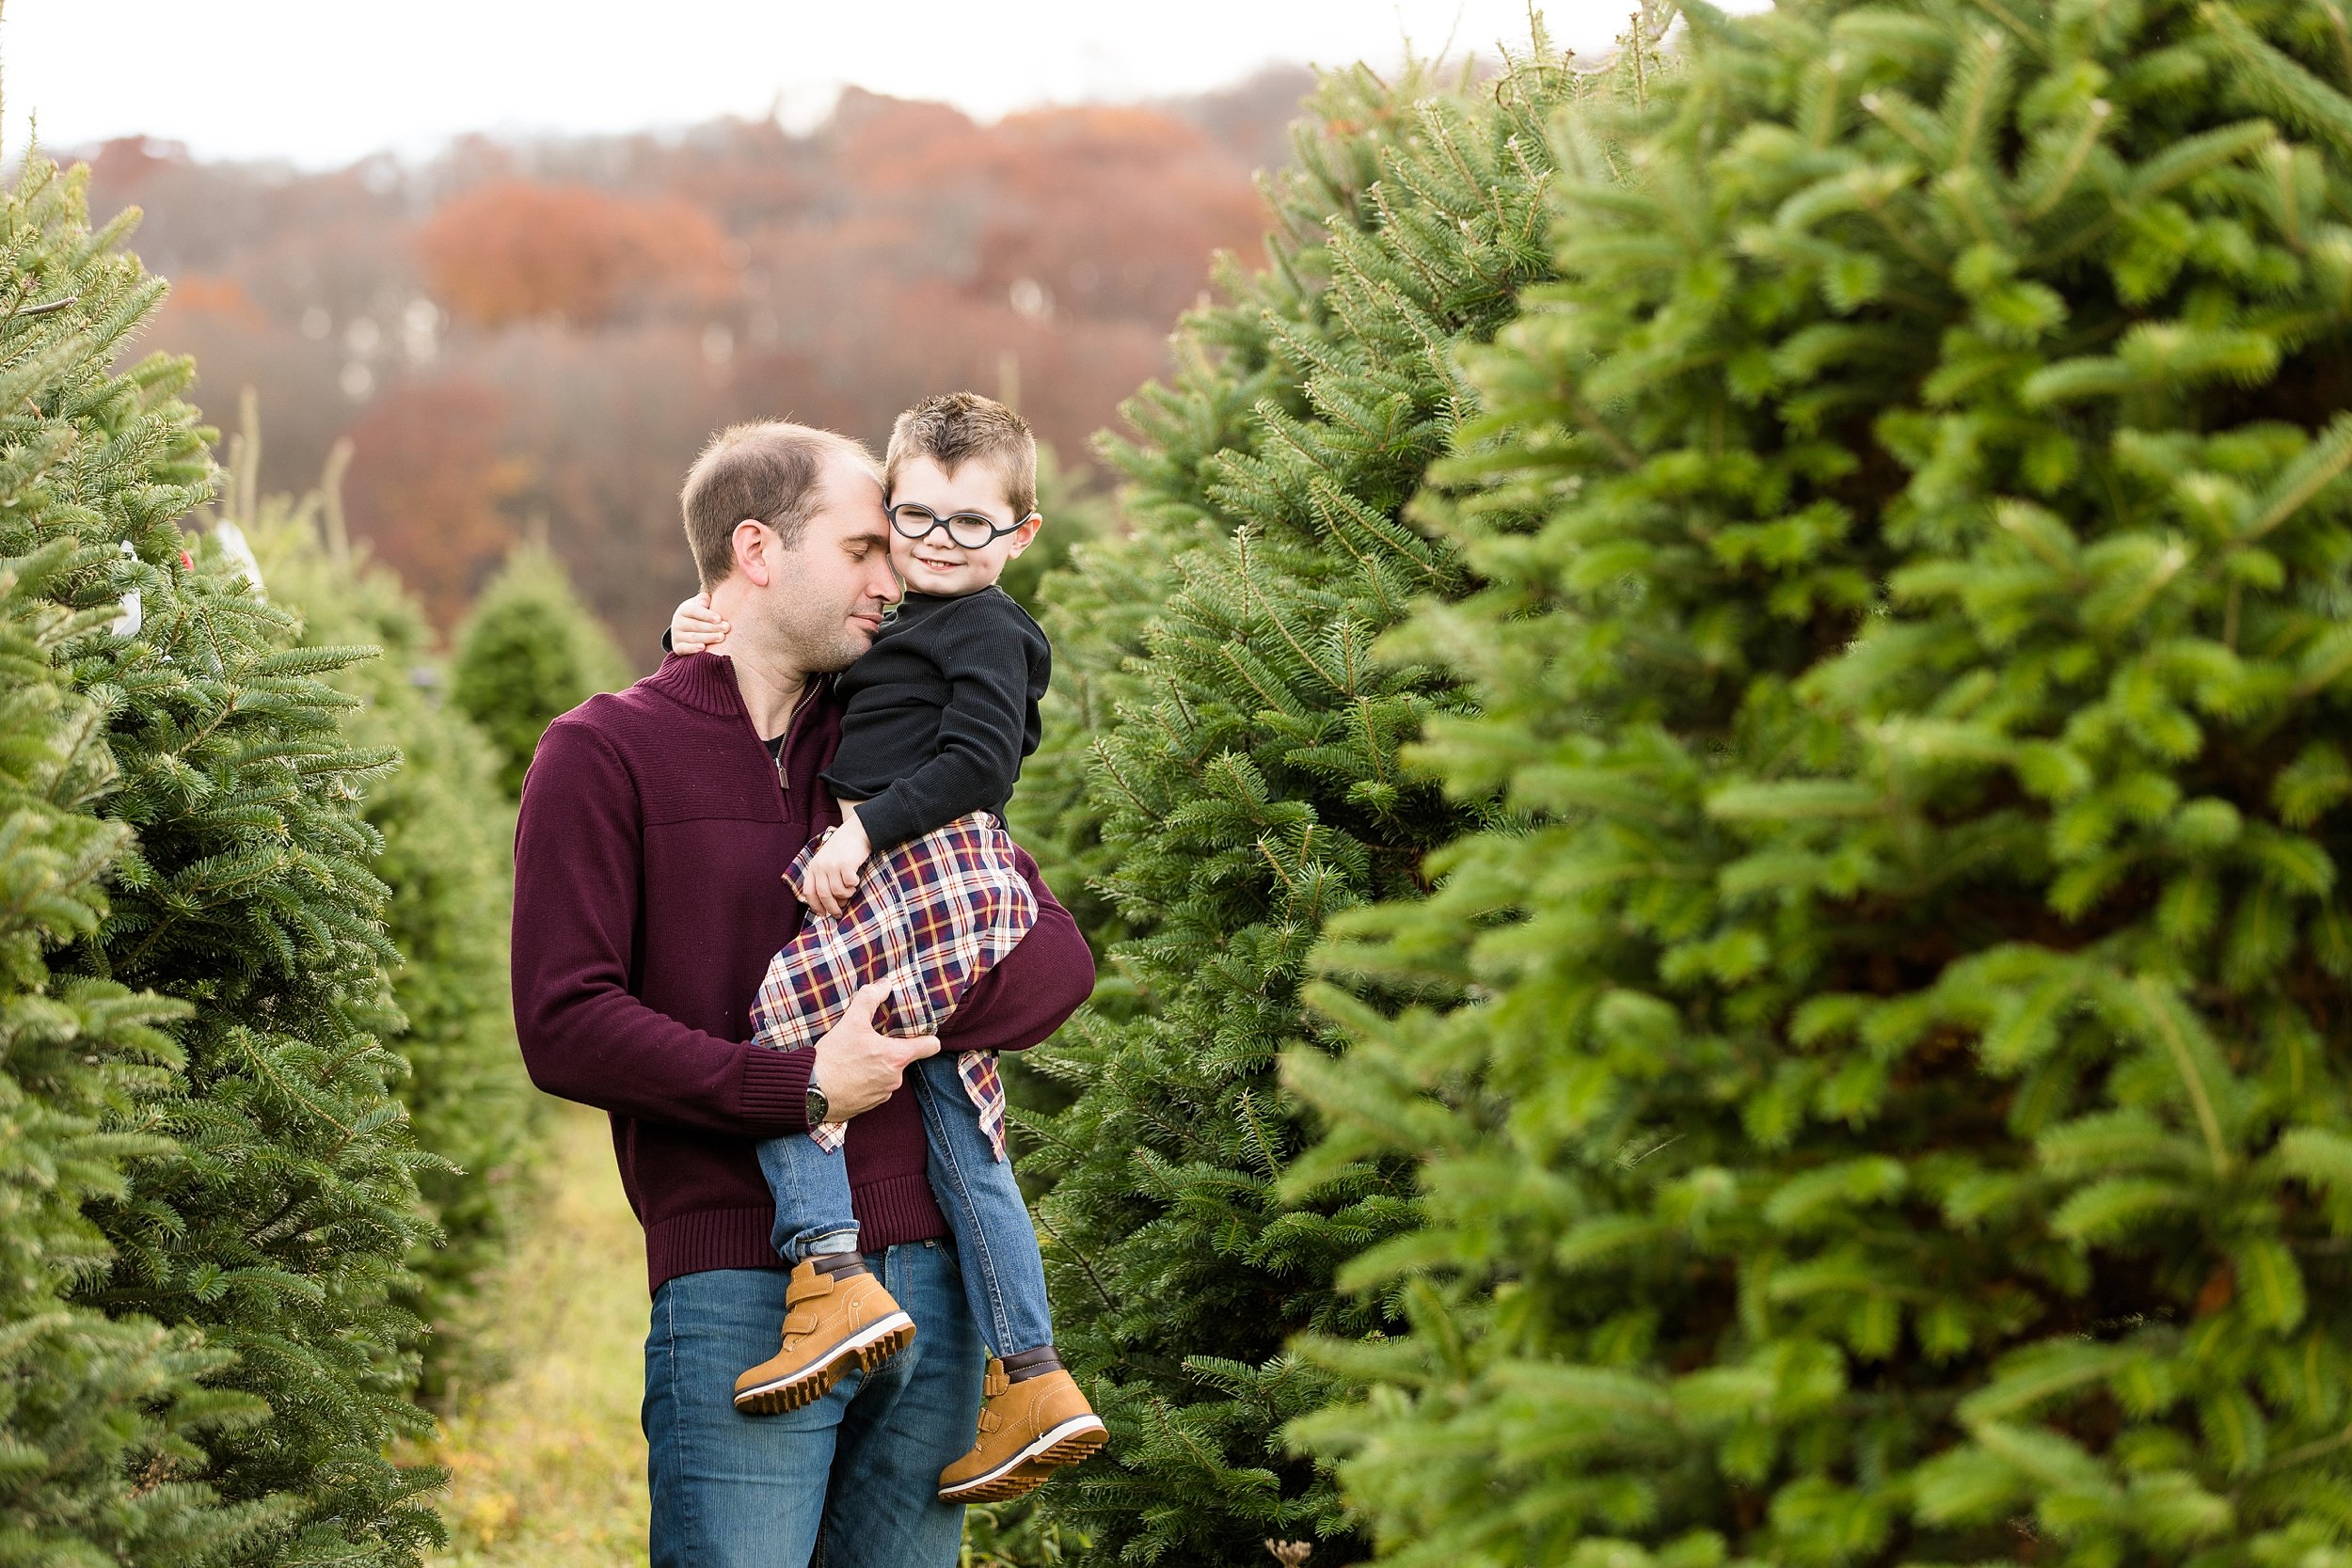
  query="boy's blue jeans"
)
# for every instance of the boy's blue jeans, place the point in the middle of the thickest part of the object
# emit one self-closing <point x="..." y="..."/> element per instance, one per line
<point x="1004" y="1277"/>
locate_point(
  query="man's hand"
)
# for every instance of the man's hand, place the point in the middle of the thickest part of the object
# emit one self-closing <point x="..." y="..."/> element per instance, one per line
<point x="831" y="880"/>
<point x="858" y="1067"/>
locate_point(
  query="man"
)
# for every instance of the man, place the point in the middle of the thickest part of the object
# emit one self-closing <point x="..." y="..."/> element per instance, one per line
<point x="656" y="825"/>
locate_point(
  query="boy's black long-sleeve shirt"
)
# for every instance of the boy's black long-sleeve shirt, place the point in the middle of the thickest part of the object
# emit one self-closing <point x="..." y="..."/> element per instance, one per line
<point x="939" y="714"/>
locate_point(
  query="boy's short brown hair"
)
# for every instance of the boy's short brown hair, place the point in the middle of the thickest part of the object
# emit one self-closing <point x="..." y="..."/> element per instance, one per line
<point x="769" y="471"/>
<point x="953" y="428"/>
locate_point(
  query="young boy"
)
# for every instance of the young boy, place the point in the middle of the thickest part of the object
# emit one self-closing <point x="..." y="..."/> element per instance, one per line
<point x="917" y="886"/>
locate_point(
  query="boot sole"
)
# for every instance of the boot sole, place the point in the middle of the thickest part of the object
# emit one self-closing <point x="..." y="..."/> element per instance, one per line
<point x="868" y="1349"/>
<point x="1024" y="1472"/>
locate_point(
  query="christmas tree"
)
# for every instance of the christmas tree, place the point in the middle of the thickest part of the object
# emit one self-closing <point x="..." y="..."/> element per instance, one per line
<point x="1077" y="512"/>
<point x="1896" y="1111"/>
<point x="448" y="834"/>
<point x="90" y="1405"/>
<point x="528" y="651"/>
<point x="261" y="1199"/>
<point x="1241" y="784"/>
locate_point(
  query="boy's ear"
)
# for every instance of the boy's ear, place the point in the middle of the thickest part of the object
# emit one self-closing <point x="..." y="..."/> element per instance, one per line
<point x="1027" y="533"/>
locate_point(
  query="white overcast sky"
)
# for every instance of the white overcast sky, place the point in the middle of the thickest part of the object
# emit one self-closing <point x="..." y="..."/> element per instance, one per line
<point x="323" y="82"/>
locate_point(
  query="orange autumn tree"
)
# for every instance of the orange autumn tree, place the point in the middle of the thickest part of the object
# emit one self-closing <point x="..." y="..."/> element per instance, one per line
<point x="518" y="250"/>
<point x="1063" y="210"/>
<point x="428" y="485"/>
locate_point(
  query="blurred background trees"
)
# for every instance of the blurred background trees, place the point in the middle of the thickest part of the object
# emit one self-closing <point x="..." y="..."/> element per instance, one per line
<point x="530" y="339"/>
<point x="519" y="251"/>
<point x="528" y="652"/>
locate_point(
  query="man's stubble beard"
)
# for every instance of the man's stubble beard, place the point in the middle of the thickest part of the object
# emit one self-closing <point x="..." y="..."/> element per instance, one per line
<point x="843" y="650"/>
<point x="816" y="641"/>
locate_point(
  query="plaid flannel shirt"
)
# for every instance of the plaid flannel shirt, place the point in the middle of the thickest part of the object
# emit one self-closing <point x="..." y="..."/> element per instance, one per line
<point x="932" y="916"/>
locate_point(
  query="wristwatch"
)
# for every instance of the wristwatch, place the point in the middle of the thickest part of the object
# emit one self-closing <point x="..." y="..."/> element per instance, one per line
<point x="819" y="1109"/>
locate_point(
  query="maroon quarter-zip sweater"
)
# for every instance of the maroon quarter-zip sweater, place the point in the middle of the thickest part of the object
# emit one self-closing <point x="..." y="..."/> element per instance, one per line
<point x="649" y="895"/>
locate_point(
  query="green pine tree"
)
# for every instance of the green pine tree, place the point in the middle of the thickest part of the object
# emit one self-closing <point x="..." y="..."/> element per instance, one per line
<point x="1093" y="608"/>
<point x="269" y="1200"/>
<point x="1898" y="1109"/>
<point x="1214" y="678"/>
<point x="1077" y="512"/>
<point x="448" y="834"/>
<point x="528" y="651"/>
<point x="91" y="1406"/>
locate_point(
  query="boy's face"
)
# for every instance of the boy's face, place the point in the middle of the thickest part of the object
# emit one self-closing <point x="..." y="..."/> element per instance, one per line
<point x="936" y="564"/>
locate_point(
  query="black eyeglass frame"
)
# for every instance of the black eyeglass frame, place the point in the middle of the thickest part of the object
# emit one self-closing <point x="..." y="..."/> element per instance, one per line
<point x="995" y="531"/>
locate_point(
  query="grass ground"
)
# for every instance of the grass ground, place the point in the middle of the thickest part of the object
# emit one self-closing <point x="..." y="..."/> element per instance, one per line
<point x="548" y="1468"/>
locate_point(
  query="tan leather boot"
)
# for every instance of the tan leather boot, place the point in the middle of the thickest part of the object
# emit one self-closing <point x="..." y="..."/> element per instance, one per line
<point x="831" y="1324"/>
<point x="1028" y="1430"/>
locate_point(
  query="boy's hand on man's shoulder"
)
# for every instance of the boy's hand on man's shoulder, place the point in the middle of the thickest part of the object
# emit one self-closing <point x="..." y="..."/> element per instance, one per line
<point x="696" y="627"/>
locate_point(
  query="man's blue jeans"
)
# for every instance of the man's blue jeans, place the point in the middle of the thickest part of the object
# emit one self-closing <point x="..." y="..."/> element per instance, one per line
<point x="855" y="1477"/>
<point x="1004" y="1278"/>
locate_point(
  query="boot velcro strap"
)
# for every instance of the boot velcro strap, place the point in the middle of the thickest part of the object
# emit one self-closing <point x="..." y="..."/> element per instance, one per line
<point x="807" y="1287"/>
<point x="997" y="1382"/>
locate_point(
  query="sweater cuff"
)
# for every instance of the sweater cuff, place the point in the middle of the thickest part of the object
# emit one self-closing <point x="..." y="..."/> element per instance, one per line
<point x="889" y="820"/>
<point x="775" y="1088"/>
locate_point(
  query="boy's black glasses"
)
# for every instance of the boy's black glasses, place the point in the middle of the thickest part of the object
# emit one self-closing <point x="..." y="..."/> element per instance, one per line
<point x="970" y="529"/>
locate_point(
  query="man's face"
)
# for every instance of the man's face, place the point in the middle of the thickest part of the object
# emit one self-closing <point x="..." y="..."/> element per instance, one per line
<point x="823" y="602"/>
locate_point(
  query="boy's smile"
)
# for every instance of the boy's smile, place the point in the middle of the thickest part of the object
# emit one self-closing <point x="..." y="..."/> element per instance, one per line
<point x="936" y="564"/>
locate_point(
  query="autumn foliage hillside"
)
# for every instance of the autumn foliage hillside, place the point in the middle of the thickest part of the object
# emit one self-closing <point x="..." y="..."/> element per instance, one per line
<point x="527" y="340"/>
<point x="520" y="250"/>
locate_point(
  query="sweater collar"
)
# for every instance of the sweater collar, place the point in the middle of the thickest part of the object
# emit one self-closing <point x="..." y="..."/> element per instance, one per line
<point x="705" y="682"/>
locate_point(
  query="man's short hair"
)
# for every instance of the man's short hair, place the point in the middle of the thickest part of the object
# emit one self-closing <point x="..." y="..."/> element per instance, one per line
<point x="769" y="471"/>
<point x="954" y="428"/>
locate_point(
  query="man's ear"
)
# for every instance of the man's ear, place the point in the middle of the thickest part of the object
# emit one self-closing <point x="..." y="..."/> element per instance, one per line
<point x="1025" y="535"/>
<point x="754" y="545"/>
